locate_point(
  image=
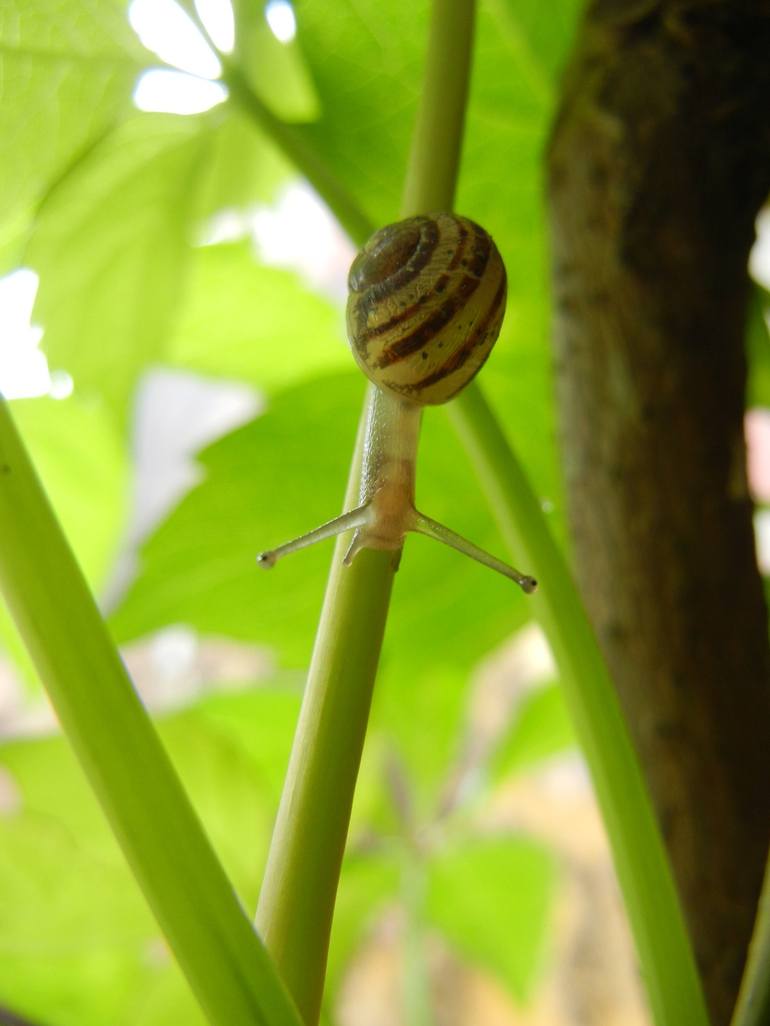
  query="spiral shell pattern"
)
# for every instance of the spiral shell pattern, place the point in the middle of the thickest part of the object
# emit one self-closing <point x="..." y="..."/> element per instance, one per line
<point x="426" y="301"/>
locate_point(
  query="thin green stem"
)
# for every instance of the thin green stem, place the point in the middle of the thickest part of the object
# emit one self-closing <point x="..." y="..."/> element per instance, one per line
<point x="106" y="724"/>
<point x="296" y="902"/>
<point x="640" y="859"/>
<point x="753" y="1006"/>
<point x="431" y="176"/>
<point x="300" y="885"/>
<point x="304" y="156"/>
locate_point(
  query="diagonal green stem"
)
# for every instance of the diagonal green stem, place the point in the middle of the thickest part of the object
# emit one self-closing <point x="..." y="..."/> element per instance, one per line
<point x="106" y="724"/>
<point x="300" y="152"/>
<point x="753" y="1006"/>
<point x="298" y="892"/>
<point x="640" y="859"/>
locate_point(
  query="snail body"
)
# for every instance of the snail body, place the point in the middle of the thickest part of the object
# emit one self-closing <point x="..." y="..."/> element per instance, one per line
<point x="425" y="306"/>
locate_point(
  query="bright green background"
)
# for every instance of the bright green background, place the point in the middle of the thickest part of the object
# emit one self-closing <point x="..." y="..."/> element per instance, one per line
<point x="106" y="203"/>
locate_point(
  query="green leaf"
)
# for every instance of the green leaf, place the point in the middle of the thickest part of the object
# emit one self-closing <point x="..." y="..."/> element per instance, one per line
<point x="437" y="695"/>
<point x="79" y="947"/>
<point x="367" y="883"/>
<point x="276" y="70"/>
<point x="365" y="60"/>
<point x="540" y="729"/>
<point x="13" y="235"/>
<point x="491" y="899"/>
<point x="758" y="348"/>
<point x="242" y="167"/>
<point x="110" y="246"/>
<point x="254" y="322"/>
<point x="66" y="73"/>
<point x="81" y="462"/>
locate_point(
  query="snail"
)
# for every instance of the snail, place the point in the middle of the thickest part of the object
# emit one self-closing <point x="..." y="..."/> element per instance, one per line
<point x="426" y="301"/>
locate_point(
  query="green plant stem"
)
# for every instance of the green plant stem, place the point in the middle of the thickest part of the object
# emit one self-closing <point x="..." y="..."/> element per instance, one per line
<point x="106" y="724"/>
<point x="296" y="902"/>
<point x="303" y="155"/>
<point x="431" y="176"/>
<point x="298" y="892"/>
<point x="753" y="1006"/>
<point x="654" y="912"/>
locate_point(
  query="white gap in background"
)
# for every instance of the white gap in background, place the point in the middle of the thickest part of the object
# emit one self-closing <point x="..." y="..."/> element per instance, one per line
<point x="297" y="233"/>
<point x="172" y="92"/>
<point x="176" y="414"/>
<point x="759" y="258"/>
<point x="217" y="16"/>
<point x="23" y="367"/>
<point x="168" y="31"/>
<point x="280" y="17"/>
<point x="757" y="421"/>
<point x="762" y="539"/>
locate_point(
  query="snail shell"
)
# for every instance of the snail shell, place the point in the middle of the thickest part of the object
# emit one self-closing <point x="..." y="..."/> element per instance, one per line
<point x="427" y="298"/>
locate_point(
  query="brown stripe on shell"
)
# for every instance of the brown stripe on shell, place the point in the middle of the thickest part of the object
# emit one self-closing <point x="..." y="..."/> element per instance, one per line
<point x="461" y="355"/>
<point x="481" y="252"/>
<point x="370" y="295"/>
<point x="426" y="333"/>
<point x="423" y="252"/>
<point x="365" y="336"/>
<point x="403" y="315"/>
<point x="462" y="236"/>
<point x="390" y="286"/>
<point x="450" y="304"/>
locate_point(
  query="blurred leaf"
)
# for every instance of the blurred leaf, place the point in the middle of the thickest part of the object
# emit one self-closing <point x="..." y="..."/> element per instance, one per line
<point x="242" y="167"/>
<point x="81" y="462"/>
<point x="13" y="235"/>
<point x="263" y="482"/>
<point x="435" y="695"/>
<point x="366" y="62"/>
<point x="254" y="322"/>
<point x="78" y="946"/>
<point x="67" y="68"/>
<point x="276" y="70"/>
<point x="74" y="935"/>
<point x="367" y="883"/>
<point x="540" y="729"/>
<point x="260" y="723"/>
<point x="110" y="248"/>
<point x="491" y="899"/>
<point x="758" y="347"/>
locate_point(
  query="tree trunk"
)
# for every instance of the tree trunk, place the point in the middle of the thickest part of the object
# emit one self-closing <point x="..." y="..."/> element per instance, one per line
<point x="659" y="160"/>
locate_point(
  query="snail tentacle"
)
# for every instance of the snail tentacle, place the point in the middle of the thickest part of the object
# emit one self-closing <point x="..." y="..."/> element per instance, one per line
<point x="433" y="529"/>
<point x="338" y="525"/>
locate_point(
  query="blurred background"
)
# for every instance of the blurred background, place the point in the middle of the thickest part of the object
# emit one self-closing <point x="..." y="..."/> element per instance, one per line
<point x="172" y="340"/>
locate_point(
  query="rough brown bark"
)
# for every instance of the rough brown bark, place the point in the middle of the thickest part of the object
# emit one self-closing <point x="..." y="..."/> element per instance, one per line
<point x="659" y="160"/>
